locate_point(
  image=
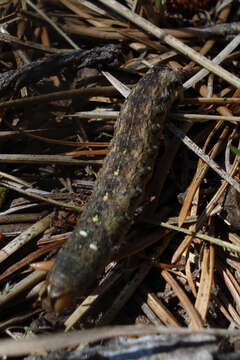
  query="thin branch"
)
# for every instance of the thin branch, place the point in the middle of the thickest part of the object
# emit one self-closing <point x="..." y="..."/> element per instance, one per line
<point x="211" y="163"/>
<point x="39" y="11"/>
<point x="203" y="117"/>
<point x="217" y="60"/>
<point x="25" y="237"/>
<point x="173" y="42"/>
<point x="205" y="237"/>
<point x="59" y="95"/>
<point x="44" y="159"/>
<point x="42" y="198"/>
<point x="212" y="100"/>
<point x="62" y="340"/>
<point x="28" y="282"/>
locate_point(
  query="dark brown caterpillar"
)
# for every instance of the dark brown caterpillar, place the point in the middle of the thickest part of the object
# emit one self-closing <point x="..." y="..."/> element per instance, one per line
<point x="119" y="189"/>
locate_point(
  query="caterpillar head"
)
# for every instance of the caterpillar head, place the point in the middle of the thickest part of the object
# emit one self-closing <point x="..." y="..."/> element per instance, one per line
<point x="54" y="299"/>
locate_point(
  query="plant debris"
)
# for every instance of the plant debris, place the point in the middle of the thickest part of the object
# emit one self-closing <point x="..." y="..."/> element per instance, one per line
<point x="65" y="68"/>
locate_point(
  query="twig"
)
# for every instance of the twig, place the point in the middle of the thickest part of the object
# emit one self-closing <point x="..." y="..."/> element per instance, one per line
<point x="158" y="308"/>
<point x="178" y="115"/>
<point x="205" y="237"/>
<point x="13" y="40"/>
<point x="95" y="114"/>
<point x="125" y="294"/>
<point x="212" y="203"/>
<point x="170" y="40"/>
<point x="202" y="117"/>
<point x="190" y="144"/>
<point x="24" y="284"/>
<point x="44" y="159"/>
<point x="223" y="29"/>
<point x="85" y="306"/>
<point x="24" y="218"/>
<point x="18" y="319"/>
<point x="72" y="43"/>
<point x="195" y="318"/>
<point x="41" y="198"/>
<point x="25" y="237"/>
<point x="14" y="178"/>
<point x="212" y="100"/>
<point x="62" y="340"/>
<point x="59" y="95"/>
<point x="217" y="60"/>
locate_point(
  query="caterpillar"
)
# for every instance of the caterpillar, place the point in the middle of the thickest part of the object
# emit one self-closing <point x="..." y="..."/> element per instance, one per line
<point x="120" y="187"/>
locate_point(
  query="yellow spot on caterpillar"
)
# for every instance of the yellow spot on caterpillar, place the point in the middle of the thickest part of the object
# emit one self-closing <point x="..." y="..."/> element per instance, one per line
<point x="105" y="198"/>
<point x="95" y="219"/>
<point x="124" y="151"/>
<point x="116" y="172"/>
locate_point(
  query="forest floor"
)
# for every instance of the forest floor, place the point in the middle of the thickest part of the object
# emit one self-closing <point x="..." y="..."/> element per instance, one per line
<point x="66" y="68"/>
